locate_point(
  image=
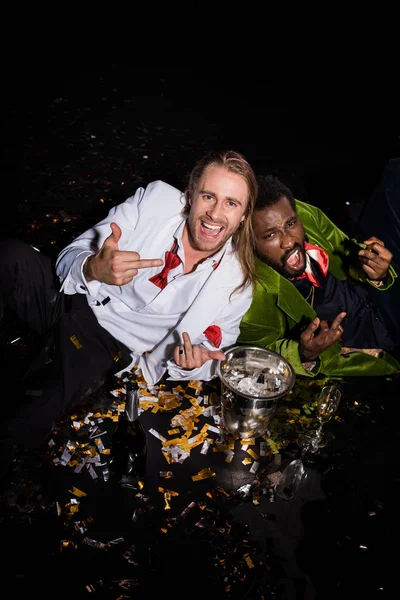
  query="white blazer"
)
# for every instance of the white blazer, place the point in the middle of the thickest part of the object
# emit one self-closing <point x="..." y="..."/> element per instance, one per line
<point x="148" y="221"/>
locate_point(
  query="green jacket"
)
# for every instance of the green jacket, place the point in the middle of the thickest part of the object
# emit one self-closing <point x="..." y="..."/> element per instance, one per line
<point x="279" y="313"/>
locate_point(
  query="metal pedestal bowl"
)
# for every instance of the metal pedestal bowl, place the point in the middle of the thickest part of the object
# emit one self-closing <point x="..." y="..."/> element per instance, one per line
<point x="252" y="381"/>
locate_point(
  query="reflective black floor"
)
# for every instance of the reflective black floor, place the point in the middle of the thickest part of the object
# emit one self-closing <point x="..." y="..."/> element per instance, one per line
<point x="83" y="139"/>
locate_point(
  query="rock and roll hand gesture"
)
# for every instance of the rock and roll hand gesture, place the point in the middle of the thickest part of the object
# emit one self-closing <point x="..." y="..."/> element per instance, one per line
<point x="114" y="266"/>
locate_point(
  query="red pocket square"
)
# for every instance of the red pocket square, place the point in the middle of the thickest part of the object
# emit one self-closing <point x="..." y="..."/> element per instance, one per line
<point x="213" y="333"/>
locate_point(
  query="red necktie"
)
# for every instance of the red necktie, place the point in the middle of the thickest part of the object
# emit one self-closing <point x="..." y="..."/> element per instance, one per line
<point x="321" y="257"/>
<point x="172" y="260"/>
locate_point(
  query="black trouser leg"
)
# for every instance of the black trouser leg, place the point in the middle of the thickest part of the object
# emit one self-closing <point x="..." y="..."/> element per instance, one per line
<point x="85" y="356"/>
<point x="28" y="285"/>
<point x="88" y="352"/>
<point x="84" y="352"/>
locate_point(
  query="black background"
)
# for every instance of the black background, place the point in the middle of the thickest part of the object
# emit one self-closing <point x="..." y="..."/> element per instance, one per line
<point x="328" y="134"/>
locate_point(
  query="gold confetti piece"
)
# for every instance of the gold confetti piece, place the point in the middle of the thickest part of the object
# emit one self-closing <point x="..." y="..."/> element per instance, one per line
<point x="167" y="498"/>
<point x="178" y="389"/>
<point x="193" y="400"/>
<point x="91" y="452"/>
<point x="248" y="561"/>
<point x="117" y="356"/>
<point x="174" y="442"/>
<point x="247" y="461"/>
<point x="195" y="384"/>
<point x="163" y="530"/>
<point x="75" y="342"/>
<point x="168" y="457"/>
<point x="178" y="421"/>
<point x="107" y="414"/>
<point x="189" y="429"/>
<point x="204" y="474"/>
<point x="191" y="412"/>
<point x="168" y="402"/>
<point x="168" y="494"/>
<point x="98" y="414"/>
<point x="222" y="491"/>
<point x="147" y="404"/>
<point x="173" y="431"/>
<point x="77" y="492"/>
<point x="249" y="442"/>
<point x="167" y="396"/>
<point x="165" y="490"/>
<point x="67" y="544"/>
<point x="252" y="454"/>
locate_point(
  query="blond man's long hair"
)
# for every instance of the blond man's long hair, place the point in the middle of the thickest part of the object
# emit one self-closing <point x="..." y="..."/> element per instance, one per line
<point x="243" y="238"/>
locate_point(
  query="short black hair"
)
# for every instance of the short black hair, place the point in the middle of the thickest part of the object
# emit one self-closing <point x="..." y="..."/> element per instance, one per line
<point x="270" y="191"/>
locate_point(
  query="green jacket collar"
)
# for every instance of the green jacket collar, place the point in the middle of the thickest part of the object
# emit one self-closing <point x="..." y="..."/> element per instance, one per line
<point x="288" y="298"/>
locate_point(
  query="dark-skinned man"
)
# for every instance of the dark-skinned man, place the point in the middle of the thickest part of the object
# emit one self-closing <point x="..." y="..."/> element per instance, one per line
<point x="320" y="298"/>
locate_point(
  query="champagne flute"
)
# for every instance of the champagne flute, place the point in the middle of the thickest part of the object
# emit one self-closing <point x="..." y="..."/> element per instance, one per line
<point x="292" y="476"/>
<point x="328" y="402"/>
